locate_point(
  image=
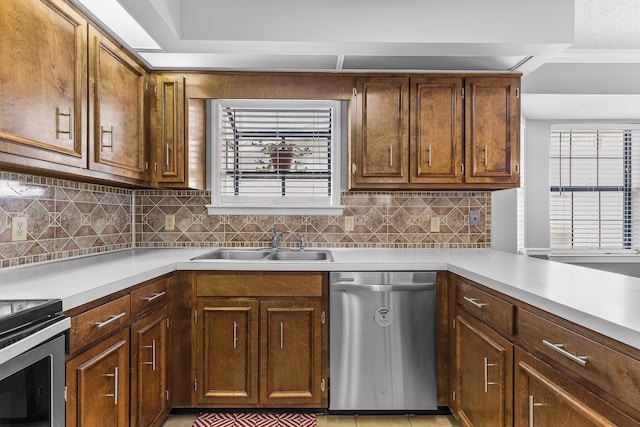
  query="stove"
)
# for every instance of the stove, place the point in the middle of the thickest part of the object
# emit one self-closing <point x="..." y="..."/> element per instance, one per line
<point x="21" y="318"/>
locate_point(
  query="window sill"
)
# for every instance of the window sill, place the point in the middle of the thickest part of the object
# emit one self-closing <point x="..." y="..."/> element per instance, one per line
<point x="264" y="210"/>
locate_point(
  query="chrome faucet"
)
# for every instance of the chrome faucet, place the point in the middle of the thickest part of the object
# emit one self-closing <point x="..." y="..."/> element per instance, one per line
<point x="276" y="238"/>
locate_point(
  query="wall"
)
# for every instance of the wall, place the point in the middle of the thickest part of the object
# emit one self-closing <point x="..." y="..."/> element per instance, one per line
<point x="67" y="219"/>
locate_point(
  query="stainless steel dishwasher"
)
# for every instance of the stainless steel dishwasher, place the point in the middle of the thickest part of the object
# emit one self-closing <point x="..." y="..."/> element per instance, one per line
<point x="382" y="341"/>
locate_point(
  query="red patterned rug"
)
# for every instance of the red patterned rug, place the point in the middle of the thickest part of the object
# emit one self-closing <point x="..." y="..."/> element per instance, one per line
<point x="215" y="419"/>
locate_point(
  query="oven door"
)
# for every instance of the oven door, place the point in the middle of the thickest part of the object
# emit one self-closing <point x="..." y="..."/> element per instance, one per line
<point x="32" y="385"/>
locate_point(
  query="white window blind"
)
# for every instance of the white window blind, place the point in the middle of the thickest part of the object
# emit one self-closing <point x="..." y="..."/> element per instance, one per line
<point x="275" y="154"/>
<point x="594" y="185"/>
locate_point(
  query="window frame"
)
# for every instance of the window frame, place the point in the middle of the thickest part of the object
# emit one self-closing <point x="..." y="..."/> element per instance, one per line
<point x="276" y="205"/>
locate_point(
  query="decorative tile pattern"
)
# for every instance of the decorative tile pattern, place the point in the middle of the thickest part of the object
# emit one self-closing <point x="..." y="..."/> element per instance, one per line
<point x="66" y="219"/>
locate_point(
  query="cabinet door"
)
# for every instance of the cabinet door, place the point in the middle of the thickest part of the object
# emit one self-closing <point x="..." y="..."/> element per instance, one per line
<point x="116" y="102"/>
<point x="436" y="130"/>
<point x="168" y="136"/>
<point x="43" y="64"/>
<point x="98" y="384"/>
<point x="148" y="369"/>
<point x="290" y="355"/>
<point x="484" y="366"/>
<point x="381" y="131"/>
<point x="227" y="352"/>
<point x="543" y="398"/>
<point x="492" y="126"/>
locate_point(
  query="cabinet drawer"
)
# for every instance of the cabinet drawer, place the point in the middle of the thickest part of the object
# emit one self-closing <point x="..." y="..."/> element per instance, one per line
<point x="149" y="297"/>
<point x="491" y="309"/>
<point x="598" y="364"/>
<point x="255" y="284"/>
<point x="99" y="322"/>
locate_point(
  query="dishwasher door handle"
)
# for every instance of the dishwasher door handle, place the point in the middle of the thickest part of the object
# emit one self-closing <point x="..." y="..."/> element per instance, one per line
<point x="372" y="287"/>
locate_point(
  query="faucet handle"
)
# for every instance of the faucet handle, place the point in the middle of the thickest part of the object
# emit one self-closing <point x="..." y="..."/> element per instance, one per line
<point x="301" y="237"/>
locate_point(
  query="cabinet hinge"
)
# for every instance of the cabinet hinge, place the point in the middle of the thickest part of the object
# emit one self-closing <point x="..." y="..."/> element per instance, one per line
<point x="323" y="317"/>
<point x="322" y="385"/>
<point x="65" y="393"/>
<point x="155" y="89"/>
<point x="353" y="168"/>
<point x="517" y="92"/>
<point x="454" y="323"/>
<point x="155" y="166"/>
<point x="462" y="94"/>
<point x="195" y="316"/>
<point x="462" y="168"/>
<point x="146" y="166"/>
<point x="355" y="92"/>
<point x="195" y="384"/>
<point x="146" y="86"/>
<point x="167" y="322"/>
<point x="166" y="394"/>
<point x="517" y="168"/>
<point x="453" y="395"/>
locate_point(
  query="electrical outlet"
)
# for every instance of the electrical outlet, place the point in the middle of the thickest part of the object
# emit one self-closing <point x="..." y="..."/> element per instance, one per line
<point x="18" y="228"/>
<point x="435" y="224"/>
<point x="474" y="218"/>
<point x="349" y="223"/>
<point x="169" y="222"/>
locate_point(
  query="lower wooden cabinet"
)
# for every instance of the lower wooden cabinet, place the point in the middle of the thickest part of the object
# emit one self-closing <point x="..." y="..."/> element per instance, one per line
<point x="261" y="340"/>
<point x="484" y="366"/>
<point x="98" y="384"/>
<point x="149" y="391"/>
<point x="544" y="397"/>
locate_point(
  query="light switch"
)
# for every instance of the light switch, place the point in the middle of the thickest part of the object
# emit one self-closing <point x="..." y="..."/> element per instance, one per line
<point x="349" y="223"/>
<point x="435" y="224"/>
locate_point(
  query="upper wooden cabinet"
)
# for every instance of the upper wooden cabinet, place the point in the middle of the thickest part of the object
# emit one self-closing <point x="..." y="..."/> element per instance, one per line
<point x="43" y="86"/>
<point x="381" y="131"/>
<point x="178" y="129"/>
<point x="454" y="132"/>
<point x="116" y="110"/>
<point x="492" y="130"/>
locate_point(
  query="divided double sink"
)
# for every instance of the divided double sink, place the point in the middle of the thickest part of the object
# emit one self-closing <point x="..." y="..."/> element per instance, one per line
<point x="266" y="254"/>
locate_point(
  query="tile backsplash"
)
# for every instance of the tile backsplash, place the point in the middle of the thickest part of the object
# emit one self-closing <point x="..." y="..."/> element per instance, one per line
<point x="67" y="218"/>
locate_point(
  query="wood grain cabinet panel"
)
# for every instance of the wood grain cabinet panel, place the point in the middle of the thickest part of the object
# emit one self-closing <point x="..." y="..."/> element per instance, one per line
<point x="149" y="370"/>
<point x="492" y="130"/>
<point x="116" y="115"/>
<point x="43" y="82"/>
<point x="436" y="145"/>
<point x="98" y="384"/>
<point x="381" y="131"/>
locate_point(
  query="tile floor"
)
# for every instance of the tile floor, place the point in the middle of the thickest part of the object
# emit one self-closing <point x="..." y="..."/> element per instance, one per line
<point x="350" y="421"/>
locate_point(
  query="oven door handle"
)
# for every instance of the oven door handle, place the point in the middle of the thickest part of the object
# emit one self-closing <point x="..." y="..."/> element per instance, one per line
<point x="112" y="319"/>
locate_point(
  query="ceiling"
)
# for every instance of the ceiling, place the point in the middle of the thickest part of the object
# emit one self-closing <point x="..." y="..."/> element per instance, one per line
<point x="579" y="58"/>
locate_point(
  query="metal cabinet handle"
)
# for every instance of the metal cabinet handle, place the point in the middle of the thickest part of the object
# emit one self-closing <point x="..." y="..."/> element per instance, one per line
<point x="532" y="405"/>
<point x="69" y="130"/>
<point x="391" y="155"/>
<point x="235" y="334"/>
<point x="155" y="296"/>
<point x="153" y="354"/>
<point x="486" y="155"/>
<point x="115" y="385"/>
<point x="429" y="155"/>
<point x="111" y="319"/>
<point x="281" y="334"/>
<point x="487" y="365"/>
<point x="474" y="301"/>
<point x="103" y="131"/>
<point x="581" y="360"/>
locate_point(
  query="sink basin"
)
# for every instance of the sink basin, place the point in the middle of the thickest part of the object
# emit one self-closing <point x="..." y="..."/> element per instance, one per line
<point x="306" y="255"/>
<point x="235" y="254"/>
<point x="262" y="254"/>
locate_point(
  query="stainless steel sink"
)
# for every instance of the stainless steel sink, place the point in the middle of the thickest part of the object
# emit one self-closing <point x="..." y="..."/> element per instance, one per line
<point x="235" y="254"/>
<point x="305" y="255"/>
<point x="263" y="254"/>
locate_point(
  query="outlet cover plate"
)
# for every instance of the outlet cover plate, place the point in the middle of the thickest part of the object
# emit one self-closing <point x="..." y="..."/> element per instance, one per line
<point x="474" y="218"/>
<point x="169" y="222"/>
<point x="18" y="228"/>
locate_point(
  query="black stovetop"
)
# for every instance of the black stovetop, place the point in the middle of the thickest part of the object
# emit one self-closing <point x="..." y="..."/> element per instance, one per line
<point x="20" y="318"/>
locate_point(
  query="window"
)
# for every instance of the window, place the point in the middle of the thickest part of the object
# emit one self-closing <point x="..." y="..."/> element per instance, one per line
<point x="276" y="157"/>
<point x="594" y="189"/>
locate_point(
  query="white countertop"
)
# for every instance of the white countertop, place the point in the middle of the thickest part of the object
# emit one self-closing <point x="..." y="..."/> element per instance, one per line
<point x="602" y="301"/>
